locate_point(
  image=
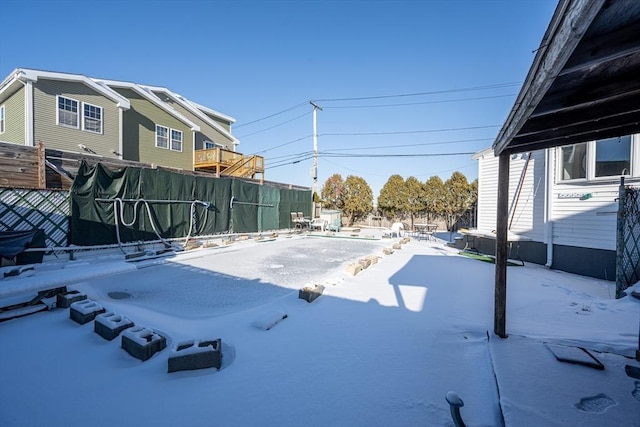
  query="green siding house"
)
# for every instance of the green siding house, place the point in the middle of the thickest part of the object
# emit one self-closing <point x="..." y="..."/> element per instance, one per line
<point x="108" y="118"/>
<point x="64" y="111"/>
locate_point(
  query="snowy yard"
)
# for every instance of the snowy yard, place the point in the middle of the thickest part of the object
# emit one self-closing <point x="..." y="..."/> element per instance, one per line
<point x="381" y="348"/>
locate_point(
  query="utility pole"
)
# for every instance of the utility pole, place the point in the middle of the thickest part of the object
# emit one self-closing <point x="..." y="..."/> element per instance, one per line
<point x="314" y="170"/>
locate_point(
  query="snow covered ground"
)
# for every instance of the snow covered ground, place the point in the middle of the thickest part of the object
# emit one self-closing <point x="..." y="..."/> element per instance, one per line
<point x="381" y="348"/>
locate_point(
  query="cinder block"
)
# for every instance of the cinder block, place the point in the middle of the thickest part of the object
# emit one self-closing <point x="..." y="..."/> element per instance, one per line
<point x="373" y="259"/>
<point x="364" y="263"/>
<point x="397" y="246"/>
<point x="192" y="355"/>
<point x="309" y="294"/>
<point x="142" y="343"/>
<point x="85" y="311"/>
<point x="387" y="251"/>
<point x="354" y="269"/>
<point x="109" y="325"/>
<point x="65" y="299"/>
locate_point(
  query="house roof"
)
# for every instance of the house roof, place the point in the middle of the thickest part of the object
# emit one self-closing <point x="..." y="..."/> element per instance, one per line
<point x="16" y="79"/>
<point x="584" y="83"/>
<point x="151" y="97"/>
<point x="190" y="106"/>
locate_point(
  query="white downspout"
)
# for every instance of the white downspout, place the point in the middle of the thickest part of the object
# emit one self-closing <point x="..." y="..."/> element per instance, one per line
<point x="548" y="203"/>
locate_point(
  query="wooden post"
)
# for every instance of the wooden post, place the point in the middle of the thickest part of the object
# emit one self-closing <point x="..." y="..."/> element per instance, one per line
<point x="500" y="308"/>
<point x="42" y="171"/>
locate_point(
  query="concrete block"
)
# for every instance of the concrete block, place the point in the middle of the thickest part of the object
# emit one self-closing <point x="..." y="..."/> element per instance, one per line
<point x="309" y="294"/>
<point x="190" y="355"/>
<point x="85" y="311"/>
<point x="109" y="325"/>
<point x="142" y="343"/>
<point x="397" y="246"/>
<point x="354" y="269"/>
<point x="405" y="240"/>
<point x="387" y="251"/>
<point x="65" y="299"/>
<point x="373" y="259"/>
<point x="364" y="263"/>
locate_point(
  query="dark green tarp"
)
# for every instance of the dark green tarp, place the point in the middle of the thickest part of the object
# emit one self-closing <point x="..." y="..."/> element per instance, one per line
<point x="170" y="207"/>
<point x="268" y="218"/>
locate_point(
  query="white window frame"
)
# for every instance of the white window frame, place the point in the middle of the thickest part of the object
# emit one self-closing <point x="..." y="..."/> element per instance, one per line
<point x="210" y="145"/>
<point x="58" y="111"/>
<point x="590" y="163"/>
<point x="167" y="137"/>
<point x="3" y="120"/>
<point x="84" y="118"/>
<point x="173" y="141"/>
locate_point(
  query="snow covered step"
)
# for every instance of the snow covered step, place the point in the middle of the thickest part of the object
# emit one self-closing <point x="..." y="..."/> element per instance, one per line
<point x="190" y="355"/>
<point x="85" y="311"/>
<point x="142" y="343"/>
<point x="65" y="299"/>
<point x="109" y="325"/>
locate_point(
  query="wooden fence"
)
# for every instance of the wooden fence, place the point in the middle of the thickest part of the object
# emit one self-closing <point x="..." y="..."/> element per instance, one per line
<point x="45" y="168"/>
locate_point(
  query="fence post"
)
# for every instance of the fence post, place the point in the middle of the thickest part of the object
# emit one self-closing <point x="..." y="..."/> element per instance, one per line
<point x="620" y="245"/>
<point x="42" y="170"/>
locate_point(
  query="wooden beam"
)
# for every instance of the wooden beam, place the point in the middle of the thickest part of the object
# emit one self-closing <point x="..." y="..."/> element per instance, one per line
<point x="500" y="307"/>
<point x="569" y="23"/>
<point x="42" y="170"/>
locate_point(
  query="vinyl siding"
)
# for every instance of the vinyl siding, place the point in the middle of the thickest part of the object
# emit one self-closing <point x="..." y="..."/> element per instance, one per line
<point x="223" y="123"/>
<point x="207" y="132"/>
<point x="139" y="128"/>
<point x="63" y="138"/>
<point x="14" y="118"/>
<point x="588" y="222"/>
<point x="527" y="216"/>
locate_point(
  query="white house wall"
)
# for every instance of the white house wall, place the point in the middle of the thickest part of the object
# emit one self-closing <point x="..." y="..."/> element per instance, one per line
<point x="527" y="216"/>
<point x="583" y="214"/>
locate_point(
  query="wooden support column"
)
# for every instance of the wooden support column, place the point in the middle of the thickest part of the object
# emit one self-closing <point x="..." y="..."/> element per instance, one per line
<point x="42" y="169"/>
<point x="500" y="308"/>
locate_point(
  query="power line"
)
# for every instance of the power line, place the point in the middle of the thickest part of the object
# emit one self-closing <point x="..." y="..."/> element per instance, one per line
<point x="420" y="103"/>
<point x="467" y="89"/>
<point x="275" y="126"/>
<point x="272" y="115"/>
<point x="408" y="131"/>
<point x="414" y="145"/>
<point x="330" y="154"/>
<point x="282" y="145"/>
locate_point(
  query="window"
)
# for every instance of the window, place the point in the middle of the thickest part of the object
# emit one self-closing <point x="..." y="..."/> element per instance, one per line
<point x="176" y="140"/>
<point x="67" y="112"/>
<point x="92" y="118"/>
<point x="208" y="145"/>
<point x="573" y="160"/>
<point x="2" y="122"/>
<point x="613" y="156"/>
<point x="162" y="137"/>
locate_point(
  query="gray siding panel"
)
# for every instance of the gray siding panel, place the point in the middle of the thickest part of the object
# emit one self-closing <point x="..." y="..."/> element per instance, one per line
<point x="64" y="138"/>
<point x="14" y="118"/>
<point x="140" y="134"/>
<point x="207" y="132"/>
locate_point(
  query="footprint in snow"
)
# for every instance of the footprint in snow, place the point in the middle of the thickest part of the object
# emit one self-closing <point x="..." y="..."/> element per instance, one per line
<point x="595" y="404"/>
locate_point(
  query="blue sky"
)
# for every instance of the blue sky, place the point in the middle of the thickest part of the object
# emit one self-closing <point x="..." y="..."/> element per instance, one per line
<point x="457" y="64"/>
